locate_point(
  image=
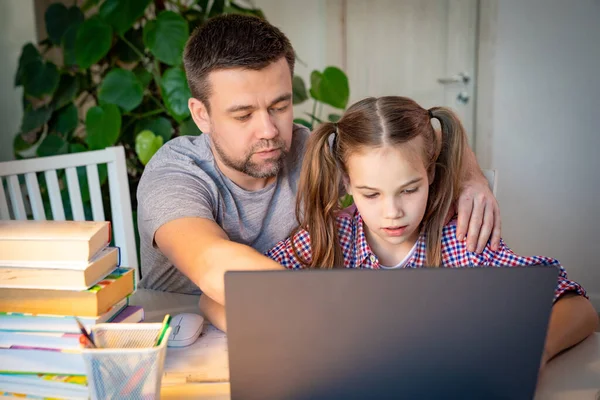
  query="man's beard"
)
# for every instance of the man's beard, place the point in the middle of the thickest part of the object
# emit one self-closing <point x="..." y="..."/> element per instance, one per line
<point x="267" y="169"/>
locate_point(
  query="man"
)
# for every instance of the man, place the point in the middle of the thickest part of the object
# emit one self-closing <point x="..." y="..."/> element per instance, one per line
<point x="216" y="202"/>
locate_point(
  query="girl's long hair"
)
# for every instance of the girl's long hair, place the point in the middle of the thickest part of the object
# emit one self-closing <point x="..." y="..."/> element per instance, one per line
<point x="376" y="122"/>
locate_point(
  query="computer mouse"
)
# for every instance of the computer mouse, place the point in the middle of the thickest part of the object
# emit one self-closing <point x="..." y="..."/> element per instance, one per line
<point x="186" y="328"/>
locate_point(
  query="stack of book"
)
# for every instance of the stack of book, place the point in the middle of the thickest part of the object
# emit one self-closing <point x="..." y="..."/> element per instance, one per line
<point x="50" y="272"/>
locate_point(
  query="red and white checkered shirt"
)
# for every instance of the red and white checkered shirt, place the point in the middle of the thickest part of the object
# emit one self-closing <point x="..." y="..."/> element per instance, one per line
<point x="358" y="254"/>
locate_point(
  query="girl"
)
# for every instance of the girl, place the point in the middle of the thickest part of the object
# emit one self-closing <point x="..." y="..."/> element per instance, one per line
<point x="403" y="176"/>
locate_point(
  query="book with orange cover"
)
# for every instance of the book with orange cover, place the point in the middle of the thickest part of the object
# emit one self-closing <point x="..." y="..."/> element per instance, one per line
<point x="38" y="243"/>
<point x="87" y="303"/>
<point x="58" y="278"/>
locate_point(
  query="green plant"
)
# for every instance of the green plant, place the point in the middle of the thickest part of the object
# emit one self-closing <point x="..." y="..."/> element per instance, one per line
<point x="328" y="87"/>
<point x="118" y="80"/>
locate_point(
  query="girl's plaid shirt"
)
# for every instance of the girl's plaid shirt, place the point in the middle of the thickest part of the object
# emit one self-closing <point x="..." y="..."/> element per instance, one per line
<point x="358" y="254"/>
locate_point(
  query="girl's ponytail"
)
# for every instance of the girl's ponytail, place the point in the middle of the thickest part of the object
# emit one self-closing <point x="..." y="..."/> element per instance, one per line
<point x="445" y="185"/>
<point x="318" y="198"/>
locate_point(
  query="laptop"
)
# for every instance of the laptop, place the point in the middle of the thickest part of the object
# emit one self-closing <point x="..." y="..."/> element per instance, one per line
<point x="425" y="333"/>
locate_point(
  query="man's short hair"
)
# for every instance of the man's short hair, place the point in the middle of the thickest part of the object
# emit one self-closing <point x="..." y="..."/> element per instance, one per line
<point x="232" y="41"/>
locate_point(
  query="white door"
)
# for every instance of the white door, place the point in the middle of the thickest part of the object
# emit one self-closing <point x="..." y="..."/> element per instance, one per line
<point x="423" y="49"/>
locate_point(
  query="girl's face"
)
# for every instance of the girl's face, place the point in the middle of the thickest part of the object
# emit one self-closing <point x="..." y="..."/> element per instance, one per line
<point x="390" y="186"/>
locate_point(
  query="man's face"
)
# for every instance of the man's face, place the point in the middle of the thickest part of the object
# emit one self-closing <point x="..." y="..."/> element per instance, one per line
<point x="250" y="121"/>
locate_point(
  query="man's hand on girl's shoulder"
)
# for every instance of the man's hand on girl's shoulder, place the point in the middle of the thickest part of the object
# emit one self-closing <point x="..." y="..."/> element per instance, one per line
<point x="478" y="216"/>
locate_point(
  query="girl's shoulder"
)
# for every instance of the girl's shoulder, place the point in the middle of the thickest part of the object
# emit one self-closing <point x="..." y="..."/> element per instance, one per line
<point x="454" y="250"/>
<point x="349" y="212"/>
<point x="348" y="220"/>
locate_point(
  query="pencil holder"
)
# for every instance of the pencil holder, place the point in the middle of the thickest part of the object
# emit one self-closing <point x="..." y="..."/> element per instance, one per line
<point x="125" y="364"/>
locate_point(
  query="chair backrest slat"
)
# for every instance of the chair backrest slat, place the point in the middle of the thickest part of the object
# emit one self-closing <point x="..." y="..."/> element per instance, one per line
<point x="95" y="192"/>
<point x="16" y="198"/>
<point x="75" y="194"/>
<point x="35" y="198"/>
<point x="4" y="212"/>
<point x="121" y="211"/>
<point x="58" y="211"/>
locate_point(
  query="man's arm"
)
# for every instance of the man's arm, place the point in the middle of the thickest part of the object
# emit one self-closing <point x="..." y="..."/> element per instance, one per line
<point x="573" y="319"/>
<point x="477" y="207"/>
<point x="201" y="250"/>
<point x="214" y="312"/>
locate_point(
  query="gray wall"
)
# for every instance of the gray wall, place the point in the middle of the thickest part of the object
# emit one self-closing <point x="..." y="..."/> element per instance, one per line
<point x="546" y="131"/>
<point x="17" y="26"/>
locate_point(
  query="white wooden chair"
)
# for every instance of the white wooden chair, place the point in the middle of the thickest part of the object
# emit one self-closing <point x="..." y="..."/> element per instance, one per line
<point x="120" y="200"/>
<point x="492" y="177"/>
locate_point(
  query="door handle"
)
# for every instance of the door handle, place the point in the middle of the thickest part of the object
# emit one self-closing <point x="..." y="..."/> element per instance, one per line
<point x="462" y="77"/>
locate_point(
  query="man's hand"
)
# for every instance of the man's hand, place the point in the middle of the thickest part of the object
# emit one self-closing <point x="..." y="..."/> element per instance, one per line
<point x="213" y="312"/>
<point x="478" y="211"/>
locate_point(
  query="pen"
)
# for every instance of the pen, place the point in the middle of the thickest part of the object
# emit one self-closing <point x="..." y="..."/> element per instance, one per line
<point x="85" y="333"/>
<point x="163" y="330"/>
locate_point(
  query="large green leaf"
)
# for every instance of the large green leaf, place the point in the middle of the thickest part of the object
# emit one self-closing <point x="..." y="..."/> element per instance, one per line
<point x="52" y="145"/>
<point x="77" y="148"/>
<point x="40" y="78"/>
<point x="25" y="145"/>
<point x="29" y="54"/>
<point x="143" y="75"/>
<point x="93" y="41"/>
<point x="58" y="19"/>
<point x="121" y="87"/>
<point x="103" y="124"/>
<point x="19" y="144"/>
<point x="124" y="51"/>
<point x="189" y="128"/>
<point x="122" y="14"/>
<point x="35" y="119"/>
<point x="68" y="45"/>
<point x="166" y="37"/>
<point x="298" y="90"/>
<point x="66" y="120"/>
<point x="146" y="144"/>
<point x="346" y="201"/>
<point x="159" y="126"/>
<point x="66" y="91"/>
<point x="176" y="93"/>
<point x="330" y="87"/>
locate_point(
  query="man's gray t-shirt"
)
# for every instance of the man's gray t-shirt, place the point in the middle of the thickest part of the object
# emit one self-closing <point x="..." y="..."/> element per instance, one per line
<point x="182" y="180"/>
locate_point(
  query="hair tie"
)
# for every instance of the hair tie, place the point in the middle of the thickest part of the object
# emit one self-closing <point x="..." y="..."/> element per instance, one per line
<point x="430" y="114"/>
<point x="333" y="139"/>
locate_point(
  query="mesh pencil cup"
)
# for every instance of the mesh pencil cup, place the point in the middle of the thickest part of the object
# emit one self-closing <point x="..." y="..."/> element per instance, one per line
<point x="126" y="365"/>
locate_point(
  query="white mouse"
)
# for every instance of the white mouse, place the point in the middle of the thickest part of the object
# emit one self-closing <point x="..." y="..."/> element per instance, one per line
<point x="186" y="328"/>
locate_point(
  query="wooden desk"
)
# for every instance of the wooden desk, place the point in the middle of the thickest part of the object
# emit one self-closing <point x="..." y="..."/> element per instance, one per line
<point x="574" y="375"/>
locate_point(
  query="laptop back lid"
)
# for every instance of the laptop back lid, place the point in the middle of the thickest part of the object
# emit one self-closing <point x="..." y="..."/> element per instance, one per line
<point x="424" y="333"/>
